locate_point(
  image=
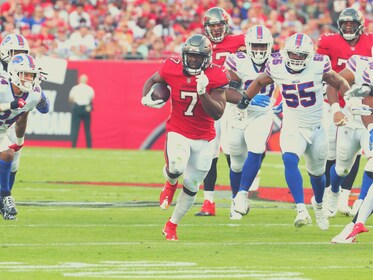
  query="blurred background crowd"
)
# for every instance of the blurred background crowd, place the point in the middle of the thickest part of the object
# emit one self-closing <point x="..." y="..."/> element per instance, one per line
<point x="155" y="29"/>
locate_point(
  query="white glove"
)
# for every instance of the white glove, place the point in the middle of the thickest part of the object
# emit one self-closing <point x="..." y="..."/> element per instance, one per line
<point x="202" y="82"/>
<point x="355" y="106"/>
<point x="357" y="91"/>
<point x="148" y="101"/>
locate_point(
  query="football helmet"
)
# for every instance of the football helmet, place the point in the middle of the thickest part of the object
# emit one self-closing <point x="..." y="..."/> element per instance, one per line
<point x="19" y="69"/>
<point x="350" y="15"/>
<point x="196" y="54"/>
<point x="258" y="35"/>
<point x="215" y="16"/>
<point x="10" y="44"/>
<point x="301" y="45"/>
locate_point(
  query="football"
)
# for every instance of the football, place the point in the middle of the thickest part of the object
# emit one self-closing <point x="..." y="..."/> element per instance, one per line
<point x="161" y="91"/>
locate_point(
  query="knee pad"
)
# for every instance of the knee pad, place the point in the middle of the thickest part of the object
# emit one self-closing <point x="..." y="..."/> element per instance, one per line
<point x="168" y="177"/>
<point x="237" y="163"/>
<point x="342" y="172"/>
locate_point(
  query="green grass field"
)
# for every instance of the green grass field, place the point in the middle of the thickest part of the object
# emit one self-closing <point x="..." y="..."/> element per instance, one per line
<point x="82" y="231"/>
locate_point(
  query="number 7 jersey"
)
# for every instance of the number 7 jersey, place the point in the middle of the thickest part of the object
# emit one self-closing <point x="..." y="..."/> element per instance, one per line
<point x="302" y="91"/>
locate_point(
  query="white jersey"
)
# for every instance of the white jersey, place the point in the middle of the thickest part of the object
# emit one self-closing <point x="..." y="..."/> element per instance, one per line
<point x="247" y="71"/>
<point x="301" y="92"/>
<point x="9" y="117"/>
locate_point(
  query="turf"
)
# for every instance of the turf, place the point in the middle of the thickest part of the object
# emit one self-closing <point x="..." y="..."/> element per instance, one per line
<point x="69" y="230"/>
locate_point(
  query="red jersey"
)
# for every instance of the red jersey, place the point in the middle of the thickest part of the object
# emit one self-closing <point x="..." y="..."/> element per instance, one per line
<point x="339" y="51"/>
<point x="188" y="117"/>
<point x="230" y="44"/>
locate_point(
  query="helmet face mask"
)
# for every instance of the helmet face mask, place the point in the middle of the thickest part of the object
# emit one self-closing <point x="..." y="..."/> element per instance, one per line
<point x="23" y="72"/>
<point x="196" y="54"/>
<point x="11" y="45"/>
<point x="298" y="51"/>
<point x="350" y="24"/>
<point x="216" y="23"/>
<point x="259" y="42"/>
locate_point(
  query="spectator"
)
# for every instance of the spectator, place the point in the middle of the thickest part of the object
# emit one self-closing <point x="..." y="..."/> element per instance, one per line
<point x="76" y="17"/>
<point x="82" y="43"/>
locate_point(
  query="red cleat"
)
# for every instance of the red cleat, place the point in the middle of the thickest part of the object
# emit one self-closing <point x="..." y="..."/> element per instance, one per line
<point x="169" y="231"/>
<point x="208" y="209"/>
<point x="167" y="194"/>
<point x="358" y="228"/>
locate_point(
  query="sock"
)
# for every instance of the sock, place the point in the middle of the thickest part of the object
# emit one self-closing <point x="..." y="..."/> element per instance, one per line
<point x="366" y="208"/>
<point x="209" y="195"/>
<point x="335" y="180"/>
<point x="329" y="164"/>
<point x="12" y="177"/>
<point x="235" y="178"/>
<point x="210" y="179"/>
<point x="367" y="182"/>
<point x="293" y="176"/>
<point x="5" y="168"/>
<point x="318" y="187"/>
<point x="249" y="170"/>
<point x="183" y="204"/>
<point x="349" y="180"/>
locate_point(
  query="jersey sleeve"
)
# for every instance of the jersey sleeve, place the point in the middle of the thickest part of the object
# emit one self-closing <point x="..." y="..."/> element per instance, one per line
<point x="168" y="68"/>
<point x="327" y="64"/>
<point x="352" y="63"/>
<point x="219" y="77"/>
<point x="230" y="63"/>
<point x="323" y="45"/>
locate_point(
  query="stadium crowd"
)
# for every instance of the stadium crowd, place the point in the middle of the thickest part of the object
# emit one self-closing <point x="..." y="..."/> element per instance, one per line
<point x="155" y="29"/>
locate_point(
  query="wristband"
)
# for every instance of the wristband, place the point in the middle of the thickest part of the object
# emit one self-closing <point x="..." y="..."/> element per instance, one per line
<point x="4" y="107"/>
<point x="335" y="107"/>
<point x="20" y="140"/>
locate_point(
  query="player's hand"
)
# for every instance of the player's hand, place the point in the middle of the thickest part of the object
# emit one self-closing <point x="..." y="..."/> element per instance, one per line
<point x="15" y="147"/>
<point x="277" y="109"/>
<point x="261" y="100"/>
<point x="202" y="82"/>
<point x="358" y="91"/>
<point x="355" y="106"/>
<point x="340" y="119"/>
<point x="18" y="103"/>
<point x="148" y="101"/>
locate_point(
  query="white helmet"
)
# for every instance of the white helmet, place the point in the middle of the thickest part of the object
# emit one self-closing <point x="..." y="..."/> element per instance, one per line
<point x="10" y="44"/>
<point x="259" y="34"/>
<point x="18" y="67"/>
<point x="299" y="44"/>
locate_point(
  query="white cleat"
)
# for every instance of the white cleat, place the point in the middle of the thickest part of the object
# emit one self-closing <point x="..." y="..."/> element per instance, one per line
<point x="342" y="237"/>
<point x="321" y="219"/>
<point x="233" y="215"/>
<point x="332" y="205"/>
<point x="241" y="203"/>
<point x="343" y="202"/>
<point x="303" y="218"/>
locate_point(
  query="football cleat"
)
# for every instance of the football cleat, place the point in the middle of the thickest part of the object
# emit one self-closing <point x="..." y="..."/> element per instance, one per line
<point x="343" y="236"/>
<point x="166" y="196"/>
<point x="321" y="219"/>
<point x="233" y="215"/>
<point x="208" y="209"/>
<point x="241" y="203"/>
<point x="358" y="228"/>
<point x="332" y="205"/>
<point x="169" y="231"/>
<point x="8" y="208"/>
<point x="343" y="203"/>
<point x="303" y="218"/>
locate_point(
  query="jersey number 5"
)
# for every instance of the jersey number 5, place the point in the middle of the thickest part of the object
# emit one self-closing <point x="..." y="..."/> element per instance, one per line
<point x="303" y="97"/>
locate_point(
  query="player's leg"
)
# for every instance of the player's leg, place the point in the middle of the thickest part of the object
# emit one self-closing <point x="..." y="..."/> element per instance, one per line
<point x="315" y="156"/>
<point x="7" y="207"/>
<point x="75" y="123"/>
<point x="197" y="167"/>
<point x="87" y="129"/>
<point x="293" y="145"/>
<point x="177" y="153"/>
<point x="348" y="146"/>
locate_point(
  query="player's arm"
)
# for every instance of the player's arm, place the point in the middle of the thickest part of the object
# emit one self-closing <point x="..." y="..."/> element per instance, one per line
<point x="214" y="103"/>
<point x="43" y="104"/>
<point x="254" y="88"/>
<point x="148" y="89"/>
<point x="155" y="78"/>
<point x="20" y="128"/>
<point x="232" y="93"/>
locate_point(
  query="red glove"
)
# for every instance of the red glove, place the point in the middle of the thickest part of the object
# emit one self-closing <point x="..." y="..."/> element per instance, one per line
<point x="18" y="103"/>
<point x="15" y="147"/>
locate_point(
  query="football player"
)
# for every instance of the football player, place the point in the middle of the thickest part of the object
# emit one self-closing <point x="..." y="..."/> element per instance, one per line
<point x="351" y="137"/>
<point x="299" y="74"/>
<point x="19" y="94"/>
<point x="351" y="40"/>
<point x="216" y="24"/>
<point x="246" y="151"/>
<point x="198" y="98"/>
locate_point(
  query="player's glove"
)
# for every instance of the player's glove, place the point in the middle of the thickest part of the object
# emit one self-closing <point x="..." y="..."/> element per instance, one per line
<point x="15" y="147"/>
<point x="355" y="107"/>
<point x="277" y="109"/>
<point x="18" y="103"/>
<point x="358" y="91"/>
<point x="202" y="82"/>
<point x="261" y="100"/>
<point x="148" y="101"/>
